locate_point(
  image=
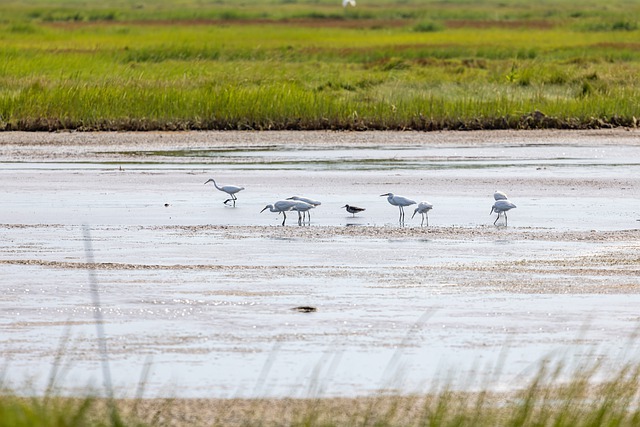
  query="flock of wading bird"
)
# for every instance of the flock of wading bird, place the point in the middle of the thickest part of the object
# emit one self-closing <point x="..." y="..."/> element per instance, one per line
<point x="303" y="205"/>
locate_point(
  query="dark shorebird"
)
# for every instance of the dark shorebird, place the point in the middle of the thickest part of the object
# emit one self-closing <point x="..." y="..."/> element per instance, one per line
<point x="231" y="190"/>
<point x="501" y="207"/>
<point x="423" y="209"/>
<point x="353" y="209"/>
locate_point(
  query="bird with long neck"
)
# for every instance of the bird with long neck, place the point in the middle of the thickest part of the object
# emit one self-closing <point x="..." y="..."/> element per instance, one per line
<point x="231" y="190"/>
<point x="501" y="207"/>
<point x="281" y="206"/>
<point x="302" y="207"/>
<point x="400" y="202"/>
<point x="423" y="209"/>
<point x="305" y="200"/>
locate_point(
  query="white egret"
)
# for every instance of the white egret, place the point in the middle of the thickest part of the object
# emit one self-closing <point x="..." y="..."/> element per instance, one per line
<point x="281" y="206"/>
<point x="346" y="3"/>
<point x="423" y="209"/>
<point x="501" y="207"/>
<point x="231" y="190"/>
<point x="400" y="202"/>
<point x="353" y="209"/>
<point x="303" y="207"/>
<point x="306" y="200"/>
<point x="499" y="195"/>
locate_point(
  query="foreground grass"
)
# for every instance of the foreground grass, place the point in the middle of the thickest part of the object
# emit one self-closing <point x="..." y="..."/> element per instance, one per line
<point x="545" y="401"/>
<point x="293" y="64"/>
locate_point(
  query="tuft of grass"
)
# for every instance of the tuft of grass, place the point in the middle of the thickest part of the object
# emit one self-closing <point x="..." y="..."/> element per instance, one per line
<point x="428" y="27"/>
<point x="585" y="395"/>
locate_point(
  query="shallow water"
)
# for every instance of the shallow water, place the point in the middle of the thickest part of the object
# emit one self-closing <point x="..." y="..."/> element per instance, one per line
<point x="204" y="293"/>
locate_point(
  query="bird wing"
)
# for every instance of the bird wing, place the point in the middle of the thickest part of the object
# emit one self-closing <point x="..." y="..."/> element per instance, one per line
<point x="503" y="205"/>
<point x="302" y="206"/>
<point x="232" y="189"/>
<point x="499" y="195"/>
<point x="403" y="201"/>
<point x="284" y="205"/>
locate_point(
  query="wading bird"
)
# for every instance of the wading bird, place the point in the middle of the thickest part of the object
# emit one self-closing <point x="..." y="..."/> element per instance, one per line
<point x="400" y="202"/>
<point x="346" y="3"/>
<point x="499" y="195"/>
<point x="353" y="209"/>
<point x="501" y="207"/>
<point x="281" y="206"/>
<point x="231" y="190"/>
<point x="306" y="200"/>
<point x="303" y="207"/>
<point x="423" y="209"/>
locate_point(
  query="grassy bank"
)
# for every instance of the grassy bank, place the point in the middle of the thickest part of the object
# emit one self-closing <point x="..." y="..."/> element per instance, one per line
<point x="294" y="64"/>
<point x="545" y="401"/>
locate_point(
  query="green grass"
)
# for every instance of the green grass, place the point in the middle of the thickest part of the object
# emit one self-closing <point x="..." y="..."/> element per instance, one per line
<point x="555" y="396"/>
<point x="294" y="64"/>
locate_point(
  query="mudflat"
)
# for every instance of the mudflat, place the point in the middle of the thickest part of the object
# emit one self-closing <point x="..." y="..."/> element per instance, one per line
<point x="198" y="298"/>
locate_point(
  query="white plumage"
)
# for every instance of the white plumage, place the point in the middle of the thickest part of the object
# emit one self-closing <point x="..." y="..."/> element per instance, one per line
<point x="423" y="209"/>
<point x="231" y="190"/>
<point x="501" y="207"/>
<point x="281" y="206"/>
<point x="400" y="202"/>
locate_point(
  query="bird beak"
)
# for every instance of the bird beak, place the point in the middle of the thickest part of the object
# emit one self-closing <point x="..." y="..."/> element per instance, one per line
<point x="491" y="211"/>
<point x="384" y="194"/>
<point x="414" y="213"/>
<point x="343" y="206"/>
<point x="265" y="208"/>
<point x="208" y="181"/>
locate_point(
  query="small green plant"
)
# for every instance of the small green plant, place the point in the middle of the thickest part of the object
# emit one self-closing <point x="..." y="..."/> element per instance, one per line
<point x="428" y="27"/>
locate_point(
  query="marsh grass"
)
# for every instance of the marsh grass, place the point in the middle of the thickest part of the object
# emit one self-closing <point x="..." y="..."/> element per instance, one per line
<point x="269" y="64"/>
<point x="554" y="396"/>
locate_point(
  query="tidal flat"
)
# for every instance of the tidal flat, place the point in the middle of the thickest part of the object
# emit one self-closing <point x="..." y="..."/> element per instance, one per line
<point x="202" y="296"/>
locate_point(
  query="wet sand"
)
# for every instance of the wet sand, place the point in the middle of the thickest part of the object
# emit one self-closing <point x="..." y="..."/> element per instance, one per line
<point x="205" y="294"/>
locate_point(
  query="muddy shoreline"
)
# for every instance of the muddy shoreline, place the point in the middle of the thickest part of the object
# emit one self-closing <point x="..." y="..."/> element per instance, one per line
<point x="207" y="291"/>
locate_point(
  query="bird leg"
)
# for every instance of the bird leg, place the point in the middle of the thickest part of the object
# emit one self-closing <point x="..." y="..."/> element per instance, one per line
<point x="494" y="222"/>
<point x="285" y="218"/>
<point x="422" y="222"/>
<point x="505" y="219"/>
